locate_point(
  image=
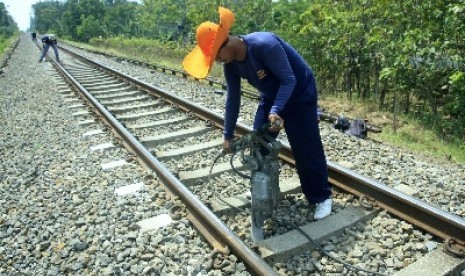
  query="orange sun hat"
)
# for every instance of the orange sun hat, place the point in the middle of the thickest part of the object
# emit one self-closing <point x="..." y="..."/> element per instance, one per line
<point x="210" y="37"/>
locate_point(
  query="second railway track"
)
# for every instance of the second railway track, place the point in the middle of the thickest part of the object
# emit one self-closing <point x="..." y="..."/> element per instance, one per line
<point x="186" y="144"/>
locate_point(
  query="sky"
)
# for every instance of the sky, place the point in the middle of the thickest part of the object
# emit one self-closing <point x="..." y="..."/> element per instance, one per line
<point x="21" y="11"/>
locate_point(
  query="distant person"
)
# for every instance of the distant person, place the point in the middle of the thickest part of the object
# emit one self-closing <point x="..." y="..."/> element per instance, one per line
<point x="47" y="41"/>
<point x="34" y="36"/>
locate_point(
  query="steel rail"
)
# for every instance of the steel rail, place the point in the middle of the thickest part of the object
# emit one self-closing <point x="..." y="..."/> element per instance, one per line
<point x="413" y="210"/>
<point x="418" y="212"/>
<point x="196" y="207"/>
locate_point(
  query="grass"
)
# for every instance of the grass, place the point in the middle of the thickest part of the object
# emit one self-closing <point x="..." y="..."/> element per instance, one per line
<point x="424" y="141"/>
<point x="6" y="43"/>
<point x="138" y="49"/>
<point x="408" y="134"/>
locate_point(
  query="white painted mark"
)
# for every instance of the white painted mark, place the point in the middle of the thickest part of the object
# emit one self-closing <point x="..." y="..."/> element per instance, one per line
<point x="80" y="113"/>
<point x="129" y="189"/>
<point x="86" y="122"/>
<point x="155" y="222"/>
<point x="114" y="164"/>
<point x="93" y="132"/>
<point x="76" y="106"/>
<point x="102" y="146"/>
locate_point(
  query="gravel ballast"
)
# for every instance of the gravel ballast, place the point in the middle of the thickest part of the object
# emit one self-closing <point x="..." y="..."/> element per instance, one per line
<point x="60" y="213"/>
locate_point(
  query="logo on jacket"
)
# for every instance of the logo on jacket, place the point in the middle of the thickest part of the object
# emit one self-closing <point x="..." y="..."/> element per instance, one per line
<point x="261" y="74"/>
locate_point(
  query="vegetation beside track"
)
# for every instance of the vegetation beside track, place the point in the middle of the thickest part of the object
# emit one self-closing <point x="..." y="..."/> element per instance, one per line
<point x="5" y="43"/>
<point x="8" y="29"/>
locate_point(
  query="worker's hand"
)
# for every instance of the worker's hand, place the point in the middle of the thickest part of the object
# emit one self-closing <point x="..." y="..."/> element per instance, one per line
<point x="276" y="122"/>
<point x="227" y="146"/>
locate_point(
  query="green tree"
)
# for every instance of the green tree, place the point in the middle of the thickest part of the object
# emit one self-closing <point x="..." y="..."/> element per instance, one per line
<point x="71" y="18"/>
<point x="120" y="18"/>
<point x="89" y="28"/>
<point x="47" y="16"/>
<point x="7" y="25"/>
<point x="162" y="19"/>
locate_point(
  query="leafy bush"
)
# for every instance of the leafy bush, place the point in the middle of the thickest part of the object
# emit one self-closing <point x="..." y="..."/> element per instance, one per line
<point x="6" y="42"/>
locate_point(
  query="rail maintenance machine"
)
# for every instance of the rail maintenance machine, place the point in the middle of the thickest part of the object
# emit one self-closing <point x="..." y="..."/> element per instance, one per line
<point x="258" y="153"/>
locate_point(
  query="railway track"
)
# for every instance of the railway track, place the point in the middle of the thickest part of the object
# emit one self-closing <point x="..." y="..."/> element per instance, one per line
<point x="176" y="140"/>
<point x="327" y="116"/>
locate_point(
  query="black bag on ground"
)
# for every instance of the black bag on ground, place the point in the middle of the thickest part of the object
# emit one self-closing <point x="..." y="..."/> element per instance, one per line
<point x="342" y="123"/>
<point x="358" y="128"/>
<point x="355" y="127"/>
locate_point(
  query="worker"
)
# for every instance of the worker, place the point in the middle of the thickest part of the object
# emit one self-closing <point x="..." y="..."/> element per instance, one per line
<point x="49" y="40"/>
<point x="288" y="95"/>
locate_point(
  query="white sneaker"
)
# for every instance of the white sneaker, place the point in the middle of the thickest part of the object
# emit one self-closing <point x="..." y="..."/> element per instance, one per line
<point x="323" y="209"/>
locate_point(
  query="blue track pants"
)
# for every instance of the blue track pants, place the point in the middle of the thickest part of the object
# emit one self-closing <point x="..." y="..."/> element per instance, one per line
<point x="303" y="134"/>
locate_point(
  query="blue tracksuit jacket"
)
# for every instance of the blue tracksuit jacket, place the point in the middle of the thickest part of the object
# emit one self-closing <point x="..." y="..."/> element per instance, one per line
<point x="287" y="87"/>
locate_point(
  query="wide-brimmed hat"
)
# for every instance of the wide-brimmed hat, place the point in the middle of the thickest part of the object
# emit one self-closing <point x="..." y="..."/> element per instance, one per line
<point x="210" y="37"/>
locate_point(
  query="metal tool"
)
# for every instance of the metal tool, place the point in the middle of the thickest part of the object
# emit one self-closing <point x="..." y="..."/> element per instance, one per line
<point x="259" y="153"/>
